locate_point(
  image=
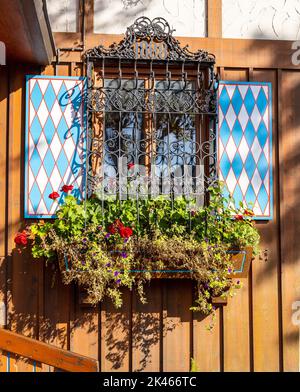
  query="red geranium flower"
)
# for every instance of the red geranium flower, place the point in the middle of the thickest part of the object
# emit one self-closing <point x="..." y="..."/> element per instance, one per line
<point x="239" y="217"/>
<point x="125" y="232"/>
<point x="118" y="223"/>
<point x="115" y="227"/>
<point x="67" y="188"/>
<point x="21" y="238"/>
<point x="54" y="195"/>
<point x="112" y="229"/>
<point x="130" y="166"/>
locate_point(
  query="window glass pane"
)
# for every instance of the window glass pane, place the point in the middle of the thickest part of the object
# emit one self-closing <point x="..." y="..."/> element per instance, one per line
<point x="123" y="131"/>
<point x="175" y="150"/>
<point x="165" y="139"/>
<point x="188" y="17"/>
<point x="63" y="15"/>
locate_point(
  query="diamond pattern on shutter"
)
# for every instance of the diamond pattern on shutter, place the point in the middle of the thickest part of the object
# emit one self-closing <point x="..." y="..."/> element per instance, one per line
<point x="245" y="144"/>
<point x="55" y="141"/>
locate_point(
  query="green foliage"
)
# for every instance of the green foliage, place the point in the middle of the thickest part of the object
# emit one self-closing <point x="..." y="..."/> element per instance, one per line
<point x="92" y="250"/>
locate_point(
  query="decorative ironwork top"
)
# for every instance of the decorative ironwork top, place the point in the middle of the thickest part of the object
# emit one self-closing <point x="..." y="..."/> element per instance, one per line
<point x="149" y="39"/>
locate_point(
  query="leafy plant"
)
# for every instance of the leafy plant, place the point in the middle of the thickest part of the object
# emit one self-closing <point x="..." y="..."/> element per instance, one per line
<point x="104" y="245"/>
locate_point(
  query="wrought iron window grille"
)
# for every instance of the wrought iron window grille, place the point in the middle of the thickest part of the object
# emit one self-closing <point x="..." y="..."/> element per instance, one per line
<point x="152" y="113"/>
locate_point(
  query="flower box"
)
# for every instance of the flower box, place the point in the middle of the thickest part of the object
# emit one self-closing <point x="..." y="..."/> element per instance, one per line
<point x="241" y="259"/>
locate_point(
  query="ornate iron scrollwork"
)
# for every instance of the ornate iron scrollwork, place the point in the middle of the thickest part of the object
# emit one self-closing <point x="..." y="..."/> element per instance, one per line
<point x="152" y="40"/>
<point x="151" y="103"/>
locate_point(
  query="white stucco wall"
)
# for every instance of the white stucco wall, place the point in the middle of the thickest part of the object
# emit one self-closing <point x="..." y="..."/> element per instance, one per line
<point x="261" y="19"/>
<point x="63" y="15"/>
<point x="186" y="16"/>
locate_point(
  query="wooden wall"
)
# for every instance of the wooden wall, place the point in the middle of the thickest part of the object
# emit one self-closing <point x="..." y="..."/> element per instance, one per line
<point x="254" y="332"/>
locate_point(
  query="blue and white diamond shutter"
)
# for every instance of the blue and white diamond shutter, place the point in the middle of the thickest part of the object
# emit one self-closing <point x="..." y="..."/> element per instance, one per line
<point x="54" y="142"/>
<point x="245" y="144"/>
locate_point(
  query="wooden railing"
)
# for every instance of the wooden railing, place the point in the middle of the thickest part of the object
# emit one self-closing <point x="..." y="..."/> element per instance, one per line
<point x="35" y="350"/>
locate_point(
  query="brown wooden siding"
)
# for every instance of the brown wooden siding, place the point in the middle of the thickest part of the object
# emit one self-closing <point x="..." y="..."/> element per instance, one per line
<point x="253" y="332"/>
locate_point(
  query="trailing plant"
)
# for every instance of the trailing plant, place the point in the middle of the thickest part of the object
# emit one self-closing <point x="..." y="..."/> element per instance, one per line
<point x="110" y="244"/>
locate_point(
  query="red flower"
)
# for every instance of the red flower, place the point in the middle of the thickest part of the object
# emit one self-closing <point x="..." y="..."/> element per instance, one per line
<point x="21" y="238"/>
<point x="239" y="217"/>
<point x="115" y="227"/>
<point x="248" y="212"/>
<point x="53" y="195"/>
<point x="67" y="188"/>
<point x="125" y="232"/>
<point x="112" y="229"/>
<point x="118" y="223"/>
<point x="130" y="166"/>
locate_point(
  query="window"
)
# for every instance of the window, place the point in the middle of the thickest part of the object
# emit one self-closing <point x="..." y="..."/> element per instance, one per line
<point x="152" y="108"/>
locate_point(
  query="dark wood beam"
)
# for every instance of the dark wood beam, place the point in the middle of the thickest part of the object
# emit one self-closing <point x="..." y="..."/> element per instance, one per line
<point x="214" y="18"/>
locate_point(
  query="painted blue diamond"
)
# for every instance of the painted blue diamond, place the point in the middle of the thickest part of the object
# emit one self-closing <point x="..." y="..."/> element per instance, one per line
<point x="225" y="165"/>
<point x="263" y="198"/>
<point x="35" y="162"/>
<point x="224" y="132"/>
<point x="250" y="165"/>
<point x="262" y="102"/>
<point x="36" y="130"/>
<point x="250" y="133"/>
<point x="250" y="195"/>
<point x="36" y="96"/>
<point x="224" y="100"/>
<point x="62" y="163"/>
<point x="49" y="163"/>
<point x="237" y="101"/>
<point x="237" y="132"/>
<point x="262" y="166"/>
<point x="237" y="165"/>
<point x="49" y="130"/>
<point x="249" y="101"/>
<point x="237" y="195"/>
<point x="262" y="134"/>
<point x="49" y="96"/>
<point x="35" y="196"/>
<point x="47" y="192"/>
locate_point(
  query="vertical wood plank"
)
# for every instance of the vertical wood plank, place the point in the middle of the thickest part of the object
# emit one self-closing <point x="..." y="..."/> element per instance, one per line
<point x="214" y="18"/>
<point x="265" y="268"/>
<point x="116" y="335"/>
<point x="84" y="328"/>
<point x="146" y="330"/>
<point x="207" y="342"/>
<point x="236" y="313"/>
<point x="177" y="331"/>
<point x="290" y="217"/>
<point x="55" y="327"/>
